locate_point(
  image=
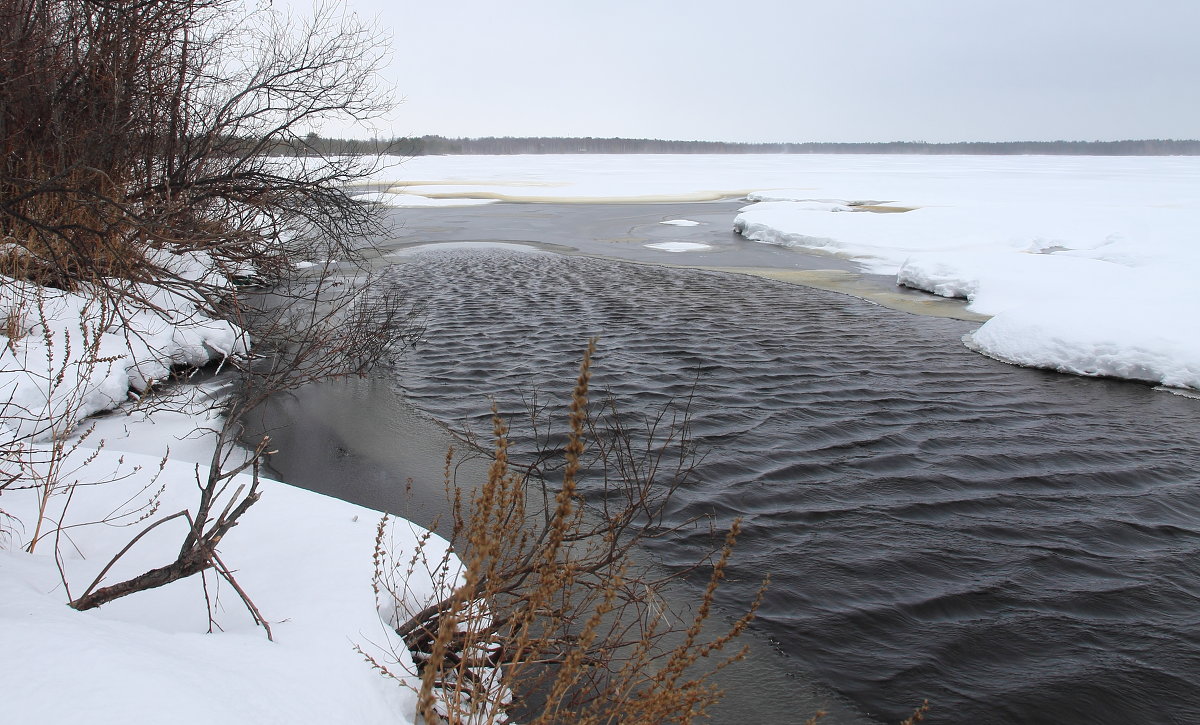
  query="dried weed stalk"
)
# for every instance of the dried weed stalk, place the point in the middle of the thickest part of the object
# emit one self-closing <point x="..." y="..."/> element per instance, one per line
<point x="554" y="618"/>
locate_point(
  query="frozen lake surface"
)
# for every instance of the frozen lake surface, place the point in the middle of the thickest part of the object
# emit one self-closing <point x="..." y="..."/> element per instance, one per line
<point x="1088" y="264"/>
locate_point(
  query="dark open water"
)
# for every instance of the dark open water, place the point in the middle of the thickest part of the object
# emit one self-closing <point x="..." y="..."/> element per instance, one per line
<point x="1015" y="545"/>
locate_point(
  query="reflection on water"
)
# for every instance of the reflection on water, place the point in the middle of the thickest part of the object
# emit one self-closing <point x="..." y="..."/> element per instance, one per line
<point x="1015" y="545"/>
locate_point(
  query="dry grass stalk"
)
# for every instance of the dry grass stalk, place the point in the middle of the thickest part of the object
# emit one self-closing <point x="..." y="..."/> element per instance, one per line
<point x="554" y="619"/>
<point x="918" y="714"/>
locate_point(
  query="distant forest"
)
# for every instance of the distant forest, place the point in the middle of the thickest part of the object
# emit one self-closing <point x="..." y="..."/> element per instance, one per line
<point x="437" y="145"/>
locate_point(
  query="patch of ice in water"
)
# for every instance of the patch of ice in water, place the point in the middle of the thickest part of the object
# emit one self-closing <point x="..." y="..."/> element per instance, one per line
<point x="401" y="200"/>
<point x="681" y="223"/>
<point x="458" y="246"/>
<point x="800" y="200"/>
<point x="680" y="246"/>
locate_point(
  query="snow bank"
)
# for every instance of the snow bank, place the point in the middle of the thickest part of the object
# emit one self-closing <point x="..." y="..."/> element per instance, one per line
<point x="69" y="355"/>
<point x="1096" y="336"/>
<point x="1074" y="314"/>
<point x="304" y="558"/>
<point x="997" y="281"/>
<point x="1087" y="266"/>
<point x="882" y="241"/>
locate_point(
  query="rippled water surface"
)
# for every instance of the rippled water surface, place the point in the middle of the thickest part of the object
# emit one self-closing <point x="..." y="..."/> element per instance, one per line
<point x="1015" y="545"/>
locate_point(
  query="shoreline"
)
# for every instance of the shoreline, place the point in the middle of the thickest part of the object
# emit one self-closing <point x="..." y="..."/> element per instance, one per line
<point x="863" y="286"/>
<point x="339" y="447"/>
<point x="628" y="235"/>
<point x="619" y="231"/>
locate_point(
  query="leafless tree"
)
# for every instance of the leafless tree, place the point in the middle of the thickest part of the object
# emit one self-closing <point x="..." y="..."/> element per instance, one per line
<point x="130" y="126"/>
<point x="138" y="132"/>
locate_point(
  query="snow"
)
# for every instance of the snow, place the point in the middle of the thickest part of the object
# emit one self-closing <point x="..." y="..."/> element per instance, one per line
<point x="998" y="281"/>
<point x="304" y="559"/>
<point x="73" y="354"/>
<point x="681" y="223"/>
<point x="1075" y="314"/>
<point x="1096" y="336"/>
<point x="1087" y="265"/>
<point x="882" y="242"/>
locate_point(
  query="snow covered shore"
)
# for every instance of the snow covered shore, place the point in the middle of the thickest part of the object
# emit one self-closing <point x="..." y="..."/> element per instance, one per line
<point x="305" y="559"/>
<point x="65" y="356"/>
<point x="1093" y="278"/>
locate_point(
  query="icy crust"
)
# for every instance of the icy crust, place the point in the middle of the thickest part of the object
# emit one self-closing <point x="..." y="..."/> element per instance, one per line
<point x="304" y="558"/>
<point x="74" y="354"/>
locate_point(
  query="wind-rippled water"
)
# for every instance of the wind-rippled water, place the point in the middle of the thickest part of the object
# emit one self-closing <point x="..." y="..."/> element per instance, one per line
<point x="1015" y="545"/>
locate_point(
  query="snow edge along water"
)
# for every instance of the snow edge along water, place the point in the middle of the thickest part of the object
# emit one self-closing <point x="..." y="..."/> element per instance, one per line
<point x="305" y="558"/>
<point x="1100" y="306"/>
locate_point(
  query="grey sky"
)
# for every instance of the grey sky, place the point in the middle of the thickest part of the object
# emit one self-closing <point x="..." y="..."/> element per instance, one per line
<point x="780" y="70"/>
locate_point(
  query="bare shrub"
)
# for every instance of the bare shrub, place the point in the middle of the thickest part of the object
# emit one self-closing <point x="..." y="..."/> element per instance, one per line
<point x="132" y="128"/>
<point x="153" y="152"/>
<point x="554" y="618"/>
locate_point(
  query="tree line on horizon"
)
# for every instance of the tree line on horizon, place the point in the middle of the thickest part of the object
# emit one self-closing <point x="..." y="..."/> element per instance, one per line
<point x="432" y="145"/>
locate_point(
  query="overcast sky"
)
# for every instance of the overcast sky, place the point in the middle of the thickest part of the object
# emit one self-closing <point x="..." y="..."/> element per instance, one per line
<point x="793" y="70"/>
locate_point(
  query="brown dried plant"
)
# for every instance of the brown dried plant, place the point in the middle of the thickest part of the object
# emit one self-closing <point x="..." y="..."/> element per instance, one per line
<point x="918" y="714"/>
<point x="555" y="616"/>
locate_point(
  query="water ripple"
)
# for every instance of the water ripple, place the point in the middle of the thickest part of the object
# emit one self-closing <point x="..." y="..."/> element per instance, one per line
<point x="1016" y="545"/>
